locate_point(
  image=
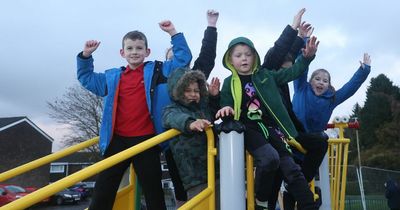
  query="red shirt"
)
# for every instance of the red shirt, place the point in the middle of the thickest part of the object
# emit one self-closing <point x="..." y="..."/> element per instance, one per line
<point x="132" y="116"/>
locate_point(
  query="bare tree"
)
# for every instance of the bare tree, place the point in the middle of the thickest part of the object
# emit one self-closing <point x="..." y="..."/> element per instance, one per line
<point x="81" y="110"/>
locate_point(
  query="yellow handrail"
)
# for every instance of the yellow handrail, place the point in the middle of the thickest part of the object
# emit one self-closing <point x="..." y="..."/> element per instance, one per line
<point x="209" y="192"/>
<point x="87" y="172"/>
<point x="47" y="159"/>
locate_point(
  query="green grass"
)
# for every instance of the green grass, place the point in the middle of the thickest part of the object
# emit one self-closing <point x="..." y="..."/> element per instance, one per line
<point x="373" y="202"/>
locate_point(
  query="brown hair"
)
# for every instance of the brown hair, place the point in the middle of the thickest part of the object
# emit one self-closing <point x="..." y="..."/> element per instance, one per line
<point x="134" y="35"/>
<point x="329" y="77"/>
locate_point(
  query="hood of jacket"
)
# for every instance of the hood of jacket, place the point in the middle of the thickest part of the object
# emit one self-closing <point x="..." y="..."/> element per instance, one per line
<point x="181" y="78"/>
<point x="236" y="85"/>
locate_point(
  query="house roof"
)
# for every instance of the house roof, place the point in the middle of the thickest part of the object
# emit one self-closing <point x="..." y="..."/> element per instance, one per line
<point x="8" y="122"/>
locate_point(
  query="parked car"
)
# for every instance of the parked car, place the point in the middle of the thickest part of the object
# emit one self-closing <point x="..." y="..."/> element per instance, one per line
<point x="82" y="189"/>
<point x="66" y="196"/>
<point x="32" y="189"/>
<point x="10" y="193"/>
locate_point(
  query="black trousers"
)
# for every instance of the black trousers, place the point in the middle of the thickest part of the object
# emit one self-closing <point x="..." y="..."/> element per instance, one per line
<point x="291" y="172"/>
<point x="147" y="168"/>
<point x="316" y="145"/>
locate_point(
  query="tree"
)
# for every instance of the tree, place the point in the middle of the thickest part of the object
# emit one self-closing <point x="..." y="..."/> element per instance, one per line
<point x="380" y="120"/>
<point x="82" y="111"/>
<point x="376" y="111"/>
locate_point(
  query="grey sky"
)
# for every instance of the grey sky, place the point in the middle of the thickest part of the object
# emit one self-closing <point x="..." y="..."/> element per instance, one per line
<point x="40" y="39"/>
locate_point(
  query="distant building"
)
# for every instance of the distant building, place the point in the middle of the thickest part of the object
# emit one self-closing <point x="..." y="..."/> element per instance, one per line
<point x="21" y="141"/>
<point x="72" y="163"/>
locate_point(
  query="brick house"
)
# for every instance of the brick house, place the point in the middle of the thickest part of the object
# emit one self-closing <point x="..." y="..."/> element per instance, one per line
<point x="21" y="142"/>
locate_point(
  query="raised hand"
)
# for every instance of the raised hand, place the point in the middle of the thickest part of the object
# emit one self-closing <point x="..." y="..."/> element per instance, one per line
<point x="90" y="47"/>
<point x="311" y="47"/>
<point x="213" y="87"/>
<point x="212" y="17"/>
<point x="366" y="60"/>
<point x="168" y="27"/>
<point x="297" y="19"/>
<point x="305" y="30"/>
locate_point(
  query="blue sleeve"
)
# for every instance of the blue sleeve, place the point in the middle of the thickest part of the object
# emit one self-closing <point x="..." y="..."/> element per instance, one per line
<point x="352" y="85"/>
<point x="301" y="82"/>
<point x="94" y="82"/>
<point x="182" y="54"/>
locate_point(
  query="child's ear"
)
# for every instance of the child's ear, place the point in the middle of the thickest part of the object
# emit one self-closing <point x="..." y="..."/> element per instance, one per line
<point x="121" y="52"/>
<point x="148" y="51"/>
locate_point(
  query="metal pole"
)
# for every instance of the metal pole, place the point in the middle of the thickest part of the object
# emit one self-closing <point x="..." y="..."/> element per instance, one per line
<point x="360" y="175"/>
<point x="325" y="184"/>
<point x="232" y="181"/>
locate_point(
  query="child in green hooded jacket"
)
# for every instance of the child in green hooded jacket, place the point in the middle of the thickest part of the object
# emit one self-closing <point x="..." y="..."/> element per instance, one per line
<point x="251" y="95"/>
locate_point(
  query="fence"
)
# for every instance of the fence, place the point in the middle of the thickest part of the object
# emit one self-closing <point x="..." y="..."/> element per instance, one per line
<point x="373" y="187"/>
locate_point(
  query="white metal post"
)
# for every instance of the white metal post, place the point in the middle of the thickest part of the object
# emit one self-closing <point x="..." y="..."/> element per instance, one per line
<point x="232" y="181"/>
<point x="325" y="184"/>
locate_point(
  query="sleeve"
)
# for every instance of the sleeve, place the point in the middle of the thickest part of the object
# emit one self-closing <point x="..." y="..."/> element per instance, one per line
<point x="286" y="75"/>
<point x="276" y="54"/>
<point x="173" y="117"/>
<point x="182" y="53"/>
<point x="213" y="104"/>
<point x="301" y="81"/>
<point x="352" y="85"/>
<point x="94" y="82"/>
<point x="225" y="94"/>
<point x="206" y="60"/>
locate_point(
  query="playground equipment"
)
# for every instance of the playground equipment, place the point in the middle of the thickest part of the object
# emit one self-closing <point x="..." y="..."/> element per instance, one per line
<point x="233" y="194"/>
<point x="334" y="166"/>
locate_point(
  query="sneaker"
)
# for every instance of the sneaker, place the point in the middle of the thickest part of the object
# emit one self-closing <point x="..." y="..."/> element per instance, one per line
<point x="261" y="205"/>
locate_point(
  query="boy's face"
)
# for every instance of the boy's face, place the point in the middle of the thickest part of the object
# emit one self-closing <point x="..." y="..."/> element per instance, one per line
<point x="192" y="93"/>
<point x="242" y="58"/>
<point x="134" y="52"/>
<point x="320" y="83"/>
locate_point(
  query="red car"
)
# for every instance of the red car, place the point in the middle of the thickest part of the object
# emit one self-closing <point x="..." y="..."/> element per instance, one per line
<point x="10" y="193"/>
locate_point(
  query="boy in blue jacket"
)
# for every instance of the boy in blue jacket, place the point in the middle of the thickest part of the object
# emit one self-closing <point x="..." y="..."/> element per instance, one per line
<point x="134" y="97"/>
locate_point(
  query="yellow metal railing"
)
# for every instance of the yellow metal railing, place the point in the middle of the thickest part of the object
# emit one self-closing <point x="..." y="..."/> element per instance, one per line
<point x="337" y="151"/>
<point x="338" y="157"/>
<point x="46" y="160"/>
<point x="206" y="198"/>
<point x="85" y="173"/>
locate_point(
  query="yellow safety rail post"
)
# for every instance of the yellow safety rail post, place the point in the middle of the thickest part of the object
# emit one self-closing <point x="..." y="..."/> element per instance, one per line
<point x="250" y="181"/>
<point x="206" y="198"/>
<point x="126" y="197"/>
<point x="338" y="157"/>
<point x="87" y="172"/>
<point x="45" y="160"/>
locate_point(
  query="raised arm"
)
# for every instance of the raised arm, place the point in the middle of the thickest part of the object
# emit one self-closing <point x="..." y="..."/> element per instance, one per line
<point x="206" y="60"/>
<point x="286" y="75"/>
<point x="94" y="82"/>
<point x="282" y="46"/>
<point x="355" y="82"/>
<point x="180" y="49"/>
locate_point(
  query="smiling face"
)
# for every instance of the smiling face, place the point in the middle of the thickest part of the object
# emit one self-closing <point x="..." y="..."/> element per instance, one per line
<point x="134" y="51"/>
<point x="320" y="81"/>
<point x="192" y="93"/>
<point x="242" y="58"/>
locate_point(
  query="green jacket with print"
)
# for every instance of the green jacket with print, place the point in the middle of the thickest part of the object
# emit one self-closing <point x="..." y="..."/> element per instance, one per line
<point x="266" y="84"/>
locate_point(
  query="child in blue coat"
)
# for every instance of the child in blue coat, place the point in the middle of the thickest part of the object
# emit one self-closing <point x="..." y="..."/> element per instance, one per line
<point x="314" y="101"/>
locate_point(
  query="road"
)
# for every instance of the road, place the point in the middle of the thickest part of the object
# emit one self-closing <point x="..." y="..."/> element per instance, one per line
<point x="79" y="206"/>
